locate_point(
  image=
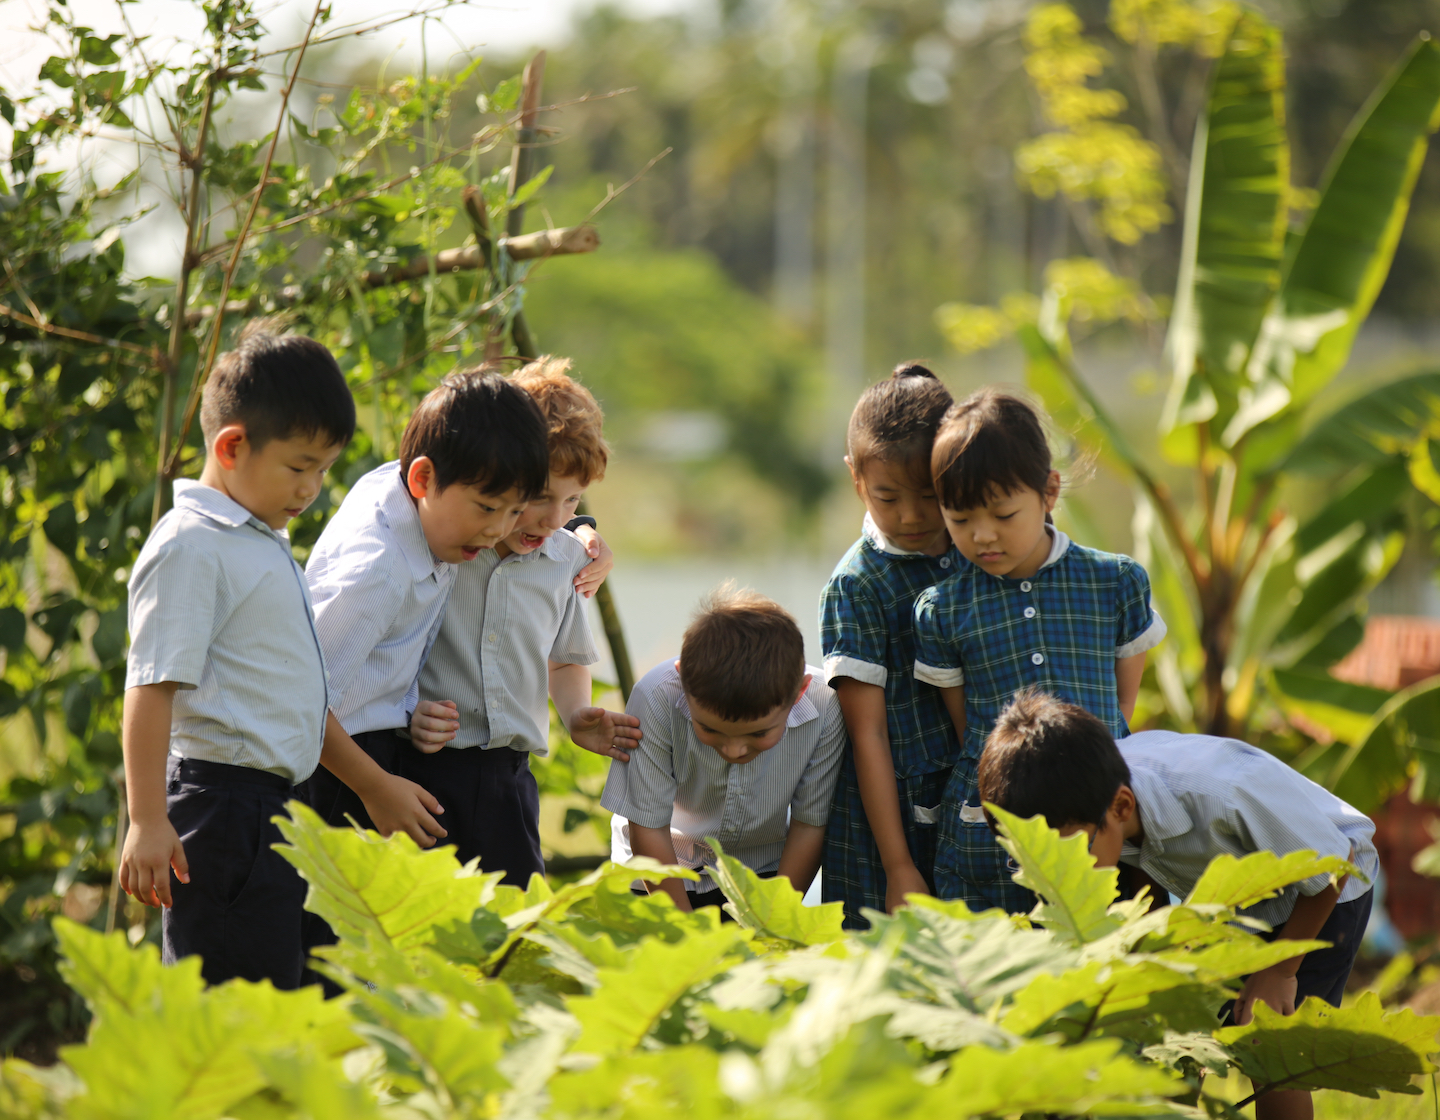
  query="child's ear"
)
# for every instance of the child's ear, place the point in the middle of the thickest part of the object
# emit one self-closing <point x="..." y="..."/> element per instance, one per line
<point x="420" y="478"/>
<point x="854" y="475"/>
<point x="804" y="686"/>
<point x="1052" y="491"/>
<point x="226" y="447"/>
<point x="1123" y="806"/>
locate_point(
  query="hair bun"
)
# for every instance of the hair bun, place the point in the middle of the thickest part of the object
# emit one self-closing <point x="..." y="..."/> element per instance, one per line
<point x="912" y="369"/>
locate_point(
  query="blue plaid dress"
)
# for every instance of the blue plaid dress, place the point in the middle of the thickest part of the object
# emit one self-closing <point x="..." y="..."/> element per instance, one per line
<point x="1061" y="630"/>
<point x="866" y="631"/>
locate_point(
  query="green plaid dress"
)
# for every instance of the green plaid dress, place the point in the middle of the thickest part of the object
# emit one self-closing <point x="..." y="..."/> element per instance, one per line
<point x="1062" y="630"/>
<point x="866" y="632"/>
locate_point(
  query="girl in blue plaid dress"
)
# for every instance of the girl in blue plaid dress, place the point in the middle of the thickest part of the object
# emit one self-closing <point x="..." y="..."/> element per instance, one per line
<point x="1027" y="607"/>
<point x="880" y="841"/>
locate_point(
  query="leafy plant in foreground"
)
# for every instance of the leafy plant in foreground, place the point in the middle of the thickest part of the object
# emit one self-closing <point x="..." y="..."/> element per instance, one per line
<point x="467" y="997"/>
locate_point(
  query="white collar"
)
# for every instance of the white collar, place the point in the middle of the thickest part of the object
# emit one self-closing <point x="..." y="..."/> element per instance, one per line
<point x="198" y="497"/>
<point x="396" y="506"/>
<point x="1059" y="542"/>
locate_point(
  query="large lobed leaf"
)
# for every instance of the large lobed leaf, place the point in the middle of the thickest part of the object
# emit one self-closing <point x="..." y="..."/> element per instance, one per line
<point x="386" y="889"/>
<point x="773" y="907"/>
<point x="1359" y="1049"/>
<point x="1238" y="883"/>
<point x="1236" y="210"/>
<point x="1077" y="894"/>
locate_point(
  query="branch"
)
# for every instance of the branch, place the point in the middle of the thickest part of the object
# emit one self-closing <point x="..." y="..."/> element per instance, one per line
<point x="152" y="354"/>
<point x="611" y="194"/>
<point x="204" y="372"/>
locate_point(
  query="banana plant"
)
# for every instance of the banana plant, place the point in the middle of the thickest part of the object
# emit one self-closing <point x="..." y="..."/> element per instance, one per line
<point x="1261" y="603"/>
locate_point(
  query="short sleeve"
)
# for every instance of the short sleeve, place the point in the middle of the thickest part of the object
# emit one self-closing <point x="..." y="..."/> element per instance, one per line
<point x="937" y="660"/>
<point x="574" y="644"/>
<point x="1138" y="627"/>
<point x="356" y="605"/>
<point x="810" y="803"/>
<point x="643" y="789"/>
<point x="170" y="625"/>
<point x="853" y="633"/>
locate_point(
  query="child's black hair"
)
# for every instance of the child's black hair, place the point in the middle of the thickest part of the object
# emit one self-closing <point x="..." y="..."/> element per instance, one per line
<point x="478" y="429"/>
<point x="278" y="386"/>
<point x="989" y="444"/>
<point x="1052" y="758"/>
<point x="895" y="420"/>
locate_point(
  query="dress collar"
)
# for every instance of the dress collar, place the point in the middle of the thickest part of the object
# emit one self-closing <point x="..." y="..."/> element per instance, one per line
<point x="1059" y="544"/>
<point x="881" y="543"/>
<point x="217" y="506"/>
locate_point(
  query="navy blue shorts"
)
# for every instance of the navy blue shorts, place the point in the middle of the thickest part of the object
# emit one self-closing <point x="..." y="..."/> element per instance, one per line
<point x="1324" y="972"/>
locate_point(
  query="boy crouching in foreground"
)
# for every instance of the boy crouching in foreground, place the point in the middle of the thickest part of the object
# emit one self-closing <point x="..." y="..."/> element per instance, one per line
<point x="1169" y="803"/>
<point x="514" y="633"/>
<point x="226" y="702"/>
<point x="736" y="745"/>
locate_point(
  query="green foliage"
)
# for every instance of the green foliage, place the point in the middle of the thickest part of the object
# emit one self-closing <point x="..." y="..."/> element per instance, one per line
<point x="599" y="1003"/>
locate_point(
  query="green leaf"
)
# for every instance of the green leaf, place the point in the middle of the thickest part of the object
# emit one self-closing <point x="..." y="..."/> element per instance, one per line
<point x="1238" y="883"/>
<point x="1077" y="895"/>
<point x="108" y="641"/>
<point x="772" y="906"/>
<point x="1236" y="210"/>
<point x="1370" y="429"/>
<point x="1342" y="708"/>
<point x="1344" y="256"/>
<point x="368" y="887"/>
<point x="628" y="1005"/>
<point x="12" y="629"/>
<point x="1405" y="729"/>
<point x="99" y="51"/>
<point x="1038" y="1077"/>
<point x="1198" y="1047"/>
<point x="1088" y="998"/>
<point x="505" y="96"/>
<point x="56" y="69"/>
<point x="1359" y="1049"/>
<point x="529" y="188"/>
<point x="1374" y="498"/>
<point x="677" y="1081"/>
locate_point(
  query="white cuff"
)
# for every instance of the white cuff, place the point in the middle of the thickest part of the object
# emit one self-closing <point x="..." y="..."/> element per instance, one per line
<point x="940" y="678"/>
<point x="1146" y="641"/>
<point x="861" y="671"/>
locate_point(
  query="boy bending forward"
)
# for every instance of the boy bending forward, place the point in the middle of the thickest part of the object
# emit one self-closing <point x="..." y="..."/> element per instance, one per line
<point x="736" y="745"/>
<point x="1169" y="803"/>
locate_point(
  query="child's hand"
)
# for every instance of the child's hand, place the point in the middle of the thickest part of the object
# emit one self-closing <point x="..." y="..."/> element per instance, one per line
<point x="398" y="805"/>
<point x="602" y="561"/>
<point x="150" y="851"/>
<point x="908" y="881"/>
<point x="1272" y="986"/>
<point x="434" y="723"/>
<point x="607" y="733"/>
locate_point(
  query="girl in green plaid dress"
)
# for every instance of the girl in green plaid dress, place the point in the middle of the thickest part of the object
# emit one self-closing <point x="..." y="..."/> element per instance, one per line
<point x="1026" y="608"/>
<point x="880" y="841"/>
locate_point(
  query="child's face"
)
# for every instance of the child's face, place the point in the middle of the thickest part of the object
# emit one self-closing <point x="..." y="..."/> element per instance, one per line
<point x="1006" y="536"/>
<point x="741" y="741"/>
<point x="1122" y="822"/>
<point x="546" y="514"/>
<point x="462" y="519"/>
<point x="908" y="514"/>
<point x="278" y="482"/>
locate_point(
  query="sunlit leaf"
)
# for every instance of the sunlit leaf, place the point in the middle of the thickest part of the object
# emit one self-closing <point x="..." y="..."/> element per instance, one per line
<point x="1077" y="894"/>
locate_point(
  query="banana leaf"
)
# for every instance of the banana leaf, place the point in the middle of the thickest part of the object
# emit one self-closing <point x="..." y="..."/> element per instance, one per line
<point x="1369" y="429"/>
<point x="1234" y="225"/>
<point x="1345" y="254"/>
<point x="1403" y="733"/>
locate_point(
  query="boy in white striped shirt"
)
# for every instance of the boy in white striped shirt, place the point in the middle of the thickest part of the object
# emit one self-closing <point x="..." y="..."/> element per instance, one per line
<point x="515" y="633"/>
<point x="226" y="698"/>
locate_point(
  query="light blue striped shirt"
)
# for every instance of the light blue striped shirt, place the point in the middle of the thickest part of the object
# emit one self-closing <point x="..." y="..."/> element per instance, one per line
<point x="674" y="779"/>
<point x="1201" y="796"/>
<point x="379" y="593"/>
<point x="506" y="621"/>
<point x="219" y="607"/>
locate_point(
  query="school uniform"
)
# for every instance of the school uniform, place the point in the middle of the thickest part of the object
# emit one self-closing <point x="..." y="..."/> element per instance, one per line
<point x="218" y="606"/>
<point x="1200" y="796"/>
<point x="867" y="633"/>
<point x="1060" y="630"/>
<point x="507" y="619"/>
<point x="675" y="781"/>
<point x="379" y="593"/>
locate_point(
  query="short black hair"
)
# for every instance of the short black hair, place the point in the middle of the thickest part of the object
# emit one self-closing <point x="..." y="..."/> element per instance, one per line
<point x="990" y="443"/>
<point x="278" y="386"/>
<point x="1051" y="758"/>
<point x="478" y="429"/>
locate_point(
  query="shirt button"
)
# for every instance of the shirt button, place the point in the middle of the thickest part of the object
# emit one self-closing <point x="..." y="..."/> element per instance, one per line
<point x="490" y="638"/>
<point x="1029" y="612"/>
<point x="1024" y="585"/>
<point x="945" y="561"/>
<point x="1037" y="658"/>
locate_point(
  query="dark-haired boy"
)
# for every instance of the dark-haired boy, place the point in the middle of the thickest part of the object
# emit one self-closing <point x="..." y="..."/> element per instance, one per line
<point x="1169" y="803"/>
<point x="472" y="455"/>
<point x="736" y="745"/>
<point x="226" y="698"/>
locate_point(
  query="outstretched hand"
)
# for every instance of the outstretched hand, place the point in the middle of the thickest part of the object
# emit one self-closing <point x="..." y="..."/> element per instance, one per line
<point x="613" y="734"/>
<point x="602" y="561"/>
<point x="434" y="723"/>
